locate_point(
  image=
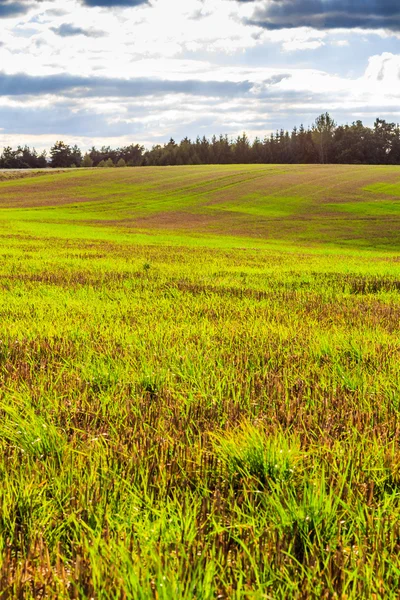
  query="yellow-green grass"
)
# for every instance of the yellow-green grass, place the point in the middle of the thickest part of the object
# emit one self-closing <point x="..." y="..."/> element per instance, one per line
<point x="196" y="406"/>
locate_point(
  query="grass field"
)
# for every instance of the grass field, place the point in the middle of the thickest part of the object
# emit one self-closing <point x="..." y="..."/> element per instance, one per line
<point x="200" y="383"/>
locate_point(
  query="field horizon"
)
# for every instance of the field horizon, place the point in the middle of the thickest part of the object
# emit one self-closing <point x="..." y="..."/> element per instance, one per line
<point x="200" y="383"/>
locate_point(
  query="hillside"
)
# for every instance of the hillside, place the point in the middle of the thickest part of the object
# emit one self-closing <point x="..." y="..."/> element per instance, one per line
<point x="200" y="374"/>
<point x="307" y="204"/>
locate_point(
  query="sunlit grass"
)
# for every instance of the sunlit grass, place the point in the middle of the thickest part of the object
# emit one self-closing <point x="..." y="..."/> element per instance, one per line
<point x="187" y="414"/>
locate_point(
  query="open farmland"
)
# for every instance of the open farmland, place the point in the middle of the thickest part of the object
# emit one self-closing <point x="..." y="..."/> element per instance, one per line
<point x="200" y="383"/>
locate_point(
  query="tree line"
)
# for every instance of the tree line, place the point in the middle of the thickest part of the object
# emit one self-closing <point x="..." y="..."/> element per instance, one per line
<point x="323" y="142"/>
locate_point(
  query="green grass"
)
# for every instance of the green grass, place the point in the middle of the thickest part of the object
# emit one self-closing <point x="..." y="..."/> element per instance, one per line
<point x="375" y="208"/>
<point x="251" y="204"/>
<point x="264" y="206"/>
<point x="200" y="408"/>
<point x="384" y="188"/>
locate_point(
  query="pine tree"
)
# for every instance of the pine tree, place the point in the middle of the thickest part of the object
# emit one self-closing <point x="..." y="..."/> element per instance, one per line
<point x="87" y="161"/>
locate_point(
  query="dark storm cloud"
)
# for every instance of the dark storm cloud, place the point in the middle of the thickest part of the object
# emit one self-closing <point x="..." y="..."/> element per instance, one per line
<point x="328" y="14"/>
<point x="112" y="3"/>
<point x="67" y="30"/>
<point x="60" y="120"/>
<point x="70" y="85"/>
<point x="12" y="9"/>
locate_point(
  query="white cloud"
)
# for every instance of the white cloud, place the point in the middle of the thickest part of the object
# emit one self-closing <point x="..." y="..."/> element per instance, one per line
<point x="341" y="43"/>
<point x="180" y="40"/>
<point x="298" y="44"/>
<point x="384" y="70"/>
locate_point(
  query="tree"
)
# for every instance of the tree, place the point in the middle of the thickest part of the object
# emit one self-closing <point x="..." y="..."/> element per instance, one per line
<point x="324" y="142"/>
<point x="9" y="159"/>
<point x="22" y="158"/>
<point x="385" y="135"/>
<point x="257" y="154"/>
<point x="61" y="156"/>
<point x="242" y="150"/>
<point x="76" y="156"/>
<point x="132" y="155"/>
<point x="323" y="130"/>
<point x="353" y="144"/>
<point x="87" y="161"/>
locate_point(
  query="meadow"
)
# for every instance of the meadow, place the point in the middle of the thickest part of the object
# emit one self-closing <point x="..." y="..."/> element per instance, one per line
<point x="200" y="383"/>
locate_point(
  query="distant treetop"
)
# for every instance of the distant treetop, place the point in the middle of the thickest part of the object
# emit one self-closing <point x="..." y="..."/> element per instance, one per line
<point x="323" y="142"/>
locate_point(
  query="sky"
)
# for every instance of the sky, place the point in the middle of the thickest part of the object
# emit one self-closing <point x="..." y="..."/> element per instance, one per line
<point x="115" y="72"/>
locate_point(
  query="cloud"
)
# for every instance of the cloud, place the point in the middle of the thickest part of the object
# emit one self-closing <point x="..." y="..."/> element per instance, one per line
<point x="112" y="3"/>
<point x="60" y="120"/>
<point x="298" y="44"/>
<point x="327" y="14"/>
<point x="12" y="9"/>
<point x="259" y="106"/>
<point x="264" y="88"/>
<point x="67" y="30"/>
<point x="384" y="70"/>
<point x="23" y="84"/>
<point x="168" y="68"/>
